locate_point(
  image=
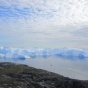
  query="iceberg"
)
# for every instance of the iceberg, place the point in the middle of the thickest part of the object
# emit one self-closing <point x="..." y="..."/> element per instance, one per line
<point x="33" y="53"/>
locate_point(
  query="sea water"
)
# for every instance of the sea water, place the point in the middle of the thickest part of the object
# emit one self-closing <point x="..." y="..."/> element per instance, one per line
<point x="76" y="68"/>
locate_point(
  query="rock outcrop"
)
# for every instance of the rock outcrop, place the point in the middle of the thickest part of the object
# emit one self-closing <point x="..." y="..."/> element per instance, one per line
<point x="22" y="76"/>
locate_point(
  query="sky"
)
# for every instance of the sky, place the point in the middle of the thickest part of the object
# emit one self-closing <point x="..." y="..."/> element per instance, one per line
<point x="44" y="23"/>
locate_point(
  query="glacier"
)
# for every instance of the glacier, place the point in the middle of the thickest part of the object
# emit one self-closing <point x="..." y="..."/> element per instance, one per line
<point x="6" y="52"/>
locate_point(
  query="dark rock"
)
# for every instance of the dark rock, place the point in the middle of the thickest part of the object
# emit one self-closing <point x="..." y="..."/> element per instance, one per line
<point x="22" y="76"/>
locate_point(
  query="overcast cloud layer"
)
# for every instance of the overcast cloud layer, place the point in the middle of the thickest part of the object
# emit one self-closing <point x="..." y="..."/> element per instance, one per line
<point x="44" y="23"/>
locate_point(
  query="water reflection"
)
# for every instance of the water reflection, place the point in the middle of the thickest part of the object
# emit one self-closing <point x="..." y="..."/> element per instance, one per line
<point x="72" y="67"/>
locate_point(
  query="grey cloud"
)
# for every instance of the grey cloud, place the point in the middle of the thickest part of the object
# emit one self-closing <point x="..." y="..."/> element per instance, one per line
<point x="83" y="32"/>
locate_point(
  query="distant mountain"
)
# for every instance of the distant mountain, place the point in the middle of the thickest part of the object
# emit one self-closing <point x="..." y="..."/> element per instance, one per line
<point x="21" y="76"/>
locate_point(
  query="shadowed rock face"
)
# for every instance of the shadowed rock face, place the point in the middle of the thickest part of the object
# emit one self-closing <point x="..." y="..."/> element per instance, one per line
<point x="21" y="76"/>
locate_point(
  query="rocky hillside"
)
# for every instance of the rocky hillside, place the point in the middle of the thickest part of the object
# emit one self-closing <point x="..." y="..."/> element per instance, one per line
<point x="21" y="76"/>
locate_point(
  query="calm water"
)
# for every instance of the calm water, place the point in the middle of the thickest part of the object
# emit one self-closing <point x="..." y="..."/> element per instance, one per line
<point x="76" y="68"/>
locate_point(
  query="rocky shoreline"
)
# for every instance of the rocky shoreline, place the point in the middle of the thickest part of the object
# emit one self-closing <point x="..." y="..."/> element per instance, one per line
<point x="22" y="76"/>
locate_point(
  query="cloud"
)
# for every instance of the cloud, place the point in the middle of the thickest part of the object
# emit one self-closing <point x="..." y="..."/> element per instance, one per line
<point x="64" y="22"/>
<point x="61" y="11"/>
